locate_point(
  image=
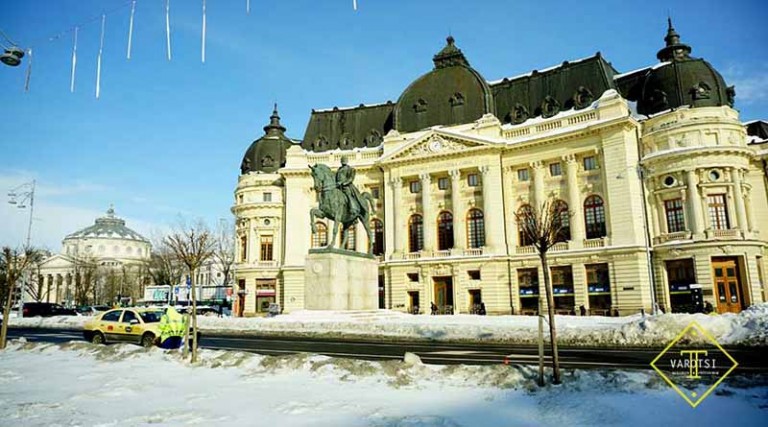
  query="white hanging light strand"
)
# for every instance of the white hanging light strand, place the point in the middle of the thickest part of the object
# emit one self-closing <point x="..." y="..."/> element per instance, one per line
<point x="74" y="64"/>
<point x="29" y="71"/>
<point x="168" y="27"/>
<point x="202" y="53"/>
<point x="98" y="59"/>
<point x="354" y="4"/>
<point x="130" y="28"/>
<point x="248" y="7"/>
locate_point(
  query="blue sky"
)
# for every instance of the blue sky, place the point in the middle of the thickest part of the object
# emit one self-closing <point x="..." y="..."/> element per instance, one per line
<point x="166" y="138"/>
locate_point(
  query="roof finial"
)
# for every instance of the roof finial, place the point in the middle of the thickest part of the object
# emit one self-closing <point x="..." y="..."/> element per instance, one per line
<point x="111" y="211"/>
<point x="674" y="50"/>
<point x="274" y="122"/>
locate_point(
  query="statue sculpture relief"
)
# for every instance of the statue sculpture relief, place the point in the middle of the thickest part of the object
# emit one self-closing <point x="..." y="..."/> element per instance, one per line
<point x="341" y="201"/>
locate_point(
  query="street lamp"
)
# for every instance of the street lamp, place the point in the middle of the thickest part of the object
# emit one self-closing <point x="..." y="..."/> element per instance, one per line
<point x="19" y="196"/>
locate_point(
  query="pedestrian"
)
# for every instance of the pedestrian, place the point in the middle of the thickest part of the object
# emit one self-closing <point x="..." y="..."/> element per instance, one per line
<point x="482" y="309"/>
<point x="582" y="310"/>
<point x="433" y="307"/>
<point x="172" y="327"/>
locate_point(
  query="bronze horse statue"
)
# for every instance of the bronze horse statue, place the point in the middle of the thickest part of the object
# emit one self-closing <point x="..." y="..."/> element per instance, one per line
<point x="334" y="205"/>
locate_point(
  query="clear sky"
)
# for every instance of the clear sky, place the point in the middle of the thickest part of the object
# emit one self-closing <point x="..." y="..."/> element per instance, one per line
<point x="166" y="138"/>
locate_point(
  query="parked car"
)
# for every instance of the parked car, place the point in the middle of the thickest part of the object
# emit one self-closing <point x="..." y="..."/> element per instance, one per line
<point x="46" y="309"/>
<point x="132" y="325"/>
<point x="91" y="310"/>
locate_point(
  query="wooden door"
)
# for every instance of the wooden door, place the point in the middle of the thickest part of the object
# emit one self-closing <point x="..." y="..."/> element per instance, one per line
<point x="727" y="286"/>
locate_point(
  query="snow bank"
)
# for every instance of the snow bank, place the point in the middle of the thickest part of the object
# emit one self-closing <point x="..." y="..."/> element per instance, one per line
<point x="748" y="328"/>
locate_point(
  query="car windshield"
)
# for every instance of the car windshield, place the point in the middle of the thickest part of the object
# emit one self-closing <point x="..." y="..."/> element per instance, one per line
<point x="151" y="316"/>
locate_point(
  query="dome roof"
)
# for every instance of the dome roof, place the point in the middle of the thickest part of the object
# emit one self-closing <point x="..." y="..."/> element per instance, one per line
<point x="107" y="227"/>
<point x="681" y="80"/>
<point x="452" y="90"/>
<point x="267" y="154"/>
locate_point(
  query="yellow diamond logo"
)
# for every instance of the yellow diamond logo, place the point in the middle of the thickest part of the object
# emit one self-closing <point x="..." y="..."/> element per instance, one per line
<point x="694" y="364"/>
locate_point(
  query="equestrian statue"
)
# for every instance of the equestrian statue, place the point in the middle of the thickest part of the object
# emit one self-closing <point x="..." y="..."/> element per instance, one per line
<point x="341" y="201"/>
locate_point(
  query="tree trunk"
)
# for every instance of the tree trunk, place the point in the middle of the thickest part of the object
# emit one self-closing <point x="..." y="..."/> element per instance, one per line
<point x="7" y="312"/>
<point x="194" y="316"/>
<point x="551" y="311"/>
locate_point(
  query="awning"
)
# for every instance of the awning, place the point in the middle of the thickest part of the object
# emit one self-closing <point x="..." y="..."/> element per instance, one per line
<point x="265" y="292"/>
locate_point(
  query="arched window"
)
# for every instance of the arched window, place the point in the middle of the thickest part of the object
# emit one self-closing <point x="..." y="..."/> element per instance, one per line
<point x="320" y="236"/>
<point x="562" y="220"/>
<point x="444" y="231"/>
<point x="594" y="217"/>
<point x="243" y="249"/>
<point x="351" y="232"/>
<point x="475" y="228"/>
<point x="378" y="237"/>
<point x="416" y="233"/>
<point x="524" y="213"/>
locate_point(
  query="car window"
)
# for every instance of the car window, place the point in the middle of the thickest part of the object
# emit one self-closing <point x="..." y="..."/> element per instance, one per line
<point x="111" y="316"/>
<point x="151" y="316"/>
<point x="128" y="315"/>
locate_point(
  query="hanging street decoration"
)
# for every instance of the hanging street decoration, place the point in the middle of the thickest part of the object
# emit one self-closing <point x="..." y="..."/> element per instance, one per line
<point x="168" y="27"/>
<point x="98" y="59"/>
<point x="74" y="64"/>
<point x="202" y="53"/>
<point x="130" y="28"/>
<point x="29" y="71"/>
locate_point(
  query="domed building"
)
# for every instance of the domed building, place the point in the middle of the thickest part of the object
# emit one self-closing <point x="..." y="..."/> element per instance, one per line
<point x="97" y="264"/>
<point x="664" y="190"/>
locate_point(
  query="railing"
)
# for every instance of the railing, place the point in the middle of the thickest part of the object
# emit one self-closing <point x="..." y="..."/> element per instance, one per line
<point x="412" y="255"/>
<point x="442" y="254"/>
<point x="668" y="237"/>
<point x="594" y="243"/>
<point x="526" y="250"/>
<point x="519" y="132"/>
<point x="473" y="252"/>
<point x="266" y="263"/>
<point x="733" y="233"/>
<point x="559" y="247"/>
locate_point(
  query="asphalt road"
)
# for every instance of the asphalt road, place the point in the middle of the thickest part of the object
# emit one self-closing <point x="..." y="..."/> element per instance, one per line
<point x="750" y="361"/>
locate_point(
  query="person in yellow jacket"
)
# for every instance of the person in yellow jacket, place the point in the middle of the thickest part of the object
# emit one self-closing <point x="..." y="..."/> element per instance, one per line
<point x="172" y="327"/>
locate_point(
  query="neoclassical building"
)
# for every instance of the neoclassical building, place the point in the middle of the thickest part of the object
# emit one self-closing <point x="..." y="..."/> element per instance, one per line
<point x="106" y="251"/>
<point x="666" y="194"/>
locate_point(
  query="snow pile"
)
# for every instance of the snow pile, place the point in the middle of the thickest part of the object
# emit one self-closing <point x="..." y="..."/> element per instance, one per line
<point x="83" y="384"/>
<point x="749" y="328"/>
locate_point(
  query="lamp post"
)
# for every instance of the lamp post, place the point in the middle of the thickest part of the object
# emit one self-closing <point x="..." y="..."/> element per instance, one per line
<point x="20" y="196"/>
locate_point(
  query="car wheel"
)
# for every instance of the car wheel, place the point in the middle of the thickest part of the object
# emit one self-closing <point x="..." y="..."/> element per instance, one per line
<point x="97" y="338"/>
<point x="147" y="340"/>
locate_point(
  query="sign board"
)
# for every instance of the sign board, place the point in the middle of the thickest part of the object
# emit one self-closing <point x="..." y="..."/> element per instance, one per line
<point x="176" y="290"/>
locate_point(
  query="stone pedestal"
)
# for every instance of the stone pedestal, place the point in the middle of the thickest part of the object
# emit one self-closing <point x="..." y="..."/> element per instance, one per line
<point x="336" y="279"/>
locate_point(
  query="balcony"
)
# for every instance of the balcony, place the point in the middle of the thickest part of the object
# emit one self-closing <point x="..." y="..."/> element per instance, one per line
<point x="670" y="237"/>
<point x="594" y="243"/>
<point x="733" y="233"/>
<point x="266" y="264"/>
<point x="559" y="247"/>
<point x="524" y="250"/>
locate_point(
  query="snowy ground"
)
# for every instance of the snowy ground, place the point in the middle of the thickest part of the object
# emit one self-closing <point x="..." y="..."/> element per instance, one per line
<point x="123" y="385"/>
<point x="750" y="327"/>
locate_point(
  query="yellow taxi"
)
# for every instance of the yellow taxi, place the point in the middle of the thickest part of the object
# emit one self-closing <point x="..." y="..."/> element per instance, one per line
<point x="133" y="325"/>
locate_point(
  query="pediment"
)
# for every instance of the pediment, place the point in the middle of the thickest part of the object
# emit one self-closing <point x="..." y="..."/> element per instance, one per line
<point x="433" y="144"/>
<point x="57" y="261"/>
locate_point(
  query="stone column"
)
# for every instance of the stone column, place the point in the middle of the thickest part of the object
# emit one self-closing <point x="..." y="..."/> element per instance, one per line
<point x="537" y="170"/>
<point x="738" y="195"/>
<point x="662" y="216"/>
<point x="428" y="215"/>
<point x="509" y="201"/>
<point x="396" y="221"/>
<point x="696" y="221"/>
<point x="493" y="214"/>
<point x="574" y="202"/>
<point x="459" y="214"/>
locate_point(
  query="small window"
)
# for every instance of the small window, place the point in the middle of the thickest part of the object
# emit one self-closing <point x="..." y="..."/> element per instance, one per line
<point x="590" y="163"/>
<point x="522" y="175"/>
<point x="128" y="316"/>
<point x="413" y="277"/>
<point x="415" y="186"/>
<point x="375" y="192"/>
<point x="240" y="198"/>
<point x="442" y="183"/>
<point x="474" y="274"/>
<point x="111" y="316"/>
<point x="669" y="181"/>
<point x="267" y="197"/>
<point x="473" y="180"/>
<point x="555" y="170"/>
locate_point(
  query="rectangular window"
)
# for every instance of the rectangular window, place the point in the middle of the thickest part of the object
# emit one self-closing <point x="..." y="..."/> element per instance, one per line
<point x="555" y="170"/>
<point x="675" y="216"/>
<point x="375" y="192"/>
<point x="590" y="163"/>
<point x="415" y="186"/>
<point x="442" y="183"/>
<point x="267" y="197"/>
<point x="413" y="277"/>
<point x="266" y="248"/>
<point x="718" y="212"/>
<point x="473" y="180"/>
<point x="243" y="249"/>
<point x="522" y="175"/>
<point x="474" y="274"/>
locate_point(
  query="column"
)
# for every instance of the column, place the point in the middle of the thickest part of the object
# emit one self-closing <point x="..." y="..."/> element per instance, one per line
<point x="396" y="222"/>
<point x="537" y="170"/>
<point x="574" y="202"/>
<point x="696" y="221"/>
<point x="661" y="215"/>
<point x="459" y="213"/>
<point x="493" y="214"/>
<point x="428" y="215"/>
<point x="738" y="195"/>
<point x="509" y="201"/>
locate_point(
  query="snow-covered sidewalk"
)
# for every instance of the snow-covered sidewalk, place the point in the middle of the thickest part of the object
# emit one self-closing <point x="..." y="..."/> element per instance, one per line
<point x="82" y="384"/>
<point x="750" y="327"/>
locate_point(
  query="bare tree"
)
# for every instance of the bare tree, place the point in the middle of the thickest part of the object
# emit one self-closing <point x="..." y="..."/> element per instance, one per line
<point x="14" y="264"/>
<point x="34" y="286"/>
<point x="224" y="248"/>
<point x="192" y="245"/>
<point x="543" y="228"/>
<point x="87" y="274"/>
<point x="163" y="267"/>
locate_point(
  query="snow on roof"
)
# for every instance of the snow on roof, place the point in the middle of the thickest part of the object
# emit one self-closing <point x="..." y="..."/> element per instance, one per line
<point x="543" y="70"/>
<point x="328" y="110"/>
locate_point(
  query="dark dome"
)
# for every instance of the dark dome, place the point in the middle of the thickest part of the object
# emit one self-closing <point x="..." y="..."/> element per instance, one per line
<point x="267" y="154"/>
<point x="681" y="80"/>
<point x="453" y="91"/>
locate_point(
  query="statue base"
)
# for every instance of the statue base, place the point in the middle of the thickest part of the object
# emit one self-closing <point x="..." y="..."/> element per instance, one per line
<point x="336" y="279"/>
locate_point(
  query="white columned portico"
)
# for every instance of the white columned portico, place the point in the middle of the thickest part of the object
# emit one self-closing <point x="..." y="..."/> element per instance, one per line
<point x="459" y="214"/>
<point x="738" y="195"/>
<point x="396" y="222"/>
<point x="574" y="202"/>
<point x="697" y="220"/>
<point x="428" y="214"/>
<point x="493" y="213"/>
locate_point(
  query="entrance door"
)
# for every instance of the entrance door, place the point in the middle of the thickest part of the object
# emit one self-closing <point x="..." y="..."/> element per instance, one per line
<point x="413" y="302"/>
<point x="444" y="294"/>
<point x="727" y="289"/>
